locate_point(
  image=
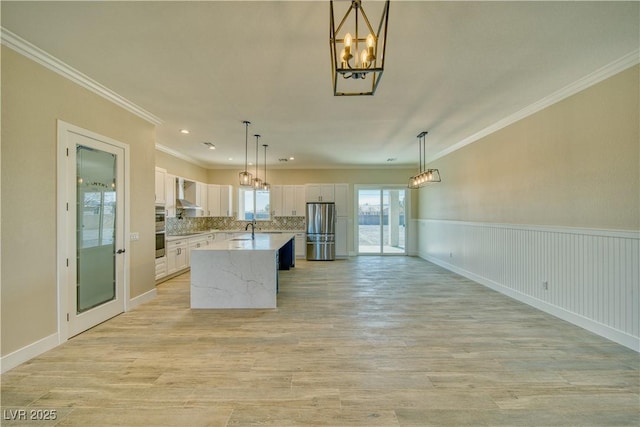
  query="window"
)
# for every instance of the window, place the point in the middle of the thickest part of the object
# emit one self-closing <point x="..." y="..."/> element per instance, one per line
<point x="254" y="204"/>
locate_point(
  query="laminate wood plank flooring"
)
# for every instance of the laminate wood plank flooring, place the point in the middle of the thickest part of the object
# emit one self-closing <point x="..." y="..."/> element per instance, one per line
<point x="368" y="341"/>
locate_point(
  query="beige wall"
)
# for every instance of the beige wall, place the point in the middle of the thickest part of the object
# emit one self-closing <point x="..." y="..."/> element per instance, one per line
<point x="575" y="163"/>
<point x="33" y="99"/>
<point x="179" y="167"/>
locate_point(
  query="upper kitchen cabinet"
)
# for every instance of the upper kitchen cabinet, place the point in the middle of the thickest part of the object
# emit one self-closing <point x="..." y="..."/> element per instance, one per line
<point x="337" y="193"/>
<point x="226" y="200"/>
<point x="293" y="200"/>
<point x="170" y="191"/>
<point x="319" y="192"/>
<point x="275" y="198"/>
<point x="161" y="176"/>
<point x="219" y="200"/>
<point x="213" y="200"/>
<point x="341" y="198"/>
<point x="202" y="198"/>
<point x="287" y="200"/>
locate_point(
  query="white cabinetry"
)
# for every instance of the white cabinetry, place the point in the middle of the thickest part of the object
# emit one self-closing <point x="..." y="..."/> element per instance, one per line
<point x="202" y="198"/>
<point x="161" y="267"/>
<point x="275" y="198"/>
<point x="161" y="175"/>
<point x="341" y="237"/>
<point x="341" y="199"/>
<point x="319" y="192"/>
<point x="293" y="200"/>
<point x="195" y="243"/>
<point x="226" y="200"/>
<point x="218" y="200"/>
<point x="177" y="255"/>
<point x="170" y="188"/>
<point x="301" y="245"/>
<point x="213" y="200"/>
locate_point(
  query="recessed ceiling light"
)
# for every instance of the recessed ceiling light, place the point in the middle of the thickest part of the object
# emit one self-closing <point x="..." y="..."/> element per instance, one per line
<point x="292" y="158"/>
<point x="184" y="131"/>
<point x="230" y="158"/>
<point x="210" y="145"/>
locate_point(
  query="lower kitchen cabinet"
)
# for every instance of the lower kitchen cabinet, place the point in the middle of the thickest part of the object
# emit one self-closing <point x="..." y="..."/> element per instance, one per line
<point x="301" y="245"/>
<point x="177" y="255"/>
<point x="161" y="267"/>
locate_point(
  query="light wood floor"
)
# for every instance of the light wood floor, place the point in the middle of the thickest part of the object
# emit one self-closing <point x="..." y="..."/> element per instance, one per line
<point x="369" y="341"/>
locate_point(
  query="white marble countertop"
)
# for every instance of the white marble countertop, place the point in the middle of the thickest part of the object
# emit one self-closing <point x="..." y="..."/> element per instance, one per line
<point x="171" y="237"/>
<point x="243" y="242"/>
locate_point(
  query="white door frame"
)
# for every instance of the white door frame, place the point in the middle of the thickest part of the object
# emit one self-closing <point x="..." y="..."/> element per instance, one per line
<point x="356" y="219"/>
<point x="65" y="208"/>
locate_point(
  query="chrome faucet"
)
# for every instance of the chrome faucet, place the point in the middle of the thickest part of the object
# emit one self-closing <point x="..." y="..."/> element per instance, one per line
<point x="253" y="229"/>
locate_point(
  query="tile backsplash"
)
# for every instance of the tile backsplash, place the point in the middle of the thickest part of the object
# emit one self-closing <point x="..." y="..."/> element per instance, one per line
<point x="192" y="225"/>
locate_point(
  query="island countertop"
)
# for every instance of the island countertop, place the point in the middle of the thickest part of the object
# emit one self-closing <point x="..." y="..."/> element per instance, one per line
<point x="243" y="242"/>
<point x="240" y="272"/>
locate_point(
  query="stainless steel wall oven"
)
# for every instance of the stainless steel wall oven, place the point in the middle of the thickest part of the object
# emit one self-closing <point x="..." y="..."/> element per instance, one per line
<point x="160" y="231"/>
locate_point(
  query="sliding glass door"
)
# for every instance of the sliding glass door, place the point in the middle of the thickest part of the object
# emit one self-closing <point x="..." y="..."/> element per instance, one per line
<point x="381" y="221"/>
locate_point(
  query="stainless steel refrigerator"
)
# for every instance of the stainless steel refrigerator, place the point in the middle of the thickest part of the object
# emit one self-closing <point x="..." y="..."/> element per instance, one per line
<point x="321" y="225"/>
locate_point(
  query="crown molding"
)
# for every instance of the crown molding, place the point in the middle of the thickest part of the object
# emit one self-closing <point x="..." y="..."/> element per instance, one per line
<point x="603" y="73"/>
<point x="43" y="58"/>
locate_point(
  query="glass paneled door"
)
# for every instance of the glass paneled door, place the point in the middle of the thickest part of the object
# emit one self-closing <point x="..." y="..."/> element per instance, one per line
<point x="96" y="288"/>
<point x="381" y="221"/>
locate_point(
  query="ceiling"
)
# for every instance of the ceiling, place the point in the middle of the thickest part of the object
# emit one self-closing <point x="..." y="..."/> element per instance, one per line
<point x="453" y="69"/>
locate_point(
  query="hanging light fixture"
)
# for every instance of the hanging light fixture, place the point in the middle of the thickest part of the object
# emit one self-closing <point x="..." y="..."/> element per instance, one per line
<point x="245" y="176"/>
<point x="257" y="182"/>
<point x="424" y="176"/>
<point x="356" y="57"/>
<point x="265" y="185"/>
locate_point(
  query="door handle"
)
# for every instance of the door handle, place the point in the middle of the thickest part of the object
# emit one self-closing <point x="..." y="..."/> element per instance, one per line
<point x="120" y="251"/>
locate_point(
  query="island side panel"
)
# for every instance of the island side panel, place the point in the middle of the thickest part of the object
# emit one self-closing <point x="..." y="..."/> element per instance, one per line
<point x="233" y="279"/>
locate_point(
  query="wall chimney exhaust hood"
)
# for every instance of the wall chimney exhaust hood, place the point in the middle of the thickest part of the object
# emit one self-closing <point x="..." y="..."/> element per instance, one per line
<point x="181" y="200"/>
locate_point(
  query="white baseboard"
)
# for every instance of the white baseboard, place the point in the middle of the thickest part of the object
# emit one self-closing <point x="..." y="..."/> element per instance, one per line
<point x="141" y="299"/>
<point x="45" y="344"/>
<point x="28" y="352"/>
<point x="605" y="331"/>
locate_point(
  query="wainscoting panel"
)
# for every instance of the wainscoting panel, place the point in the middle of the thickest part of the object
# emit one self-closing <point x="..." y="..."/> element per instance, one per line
<point x="588" y="277"/>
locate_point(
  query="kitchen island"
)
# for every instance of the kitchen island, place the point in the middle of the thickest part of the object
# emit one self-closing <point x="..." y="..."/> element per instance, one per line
<point x="240" y="272"/>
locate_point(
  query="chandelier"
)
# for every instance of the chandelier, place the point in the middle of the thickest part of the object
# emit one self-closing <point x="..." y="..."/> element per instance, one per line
<point x="357" y="56"/>
<point x="424" y="176"/>
<point x="245" y="177"/>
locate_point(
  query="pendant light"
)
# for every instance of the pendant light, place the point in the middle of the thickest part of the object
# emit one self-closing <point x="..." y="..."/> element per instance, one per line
<point x="265" y="185"/>
<point x="257" y="182"/>
<point x="245" y="176"/>
<point x="424" y="176"/>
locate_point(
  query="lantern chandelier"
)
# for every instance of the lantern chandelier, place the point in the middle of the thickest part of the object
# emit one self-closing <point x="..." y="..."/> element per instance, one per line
<point x="246" y="179"/>
<point x="357" y="56"/>
<point x="424" y="176"/>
